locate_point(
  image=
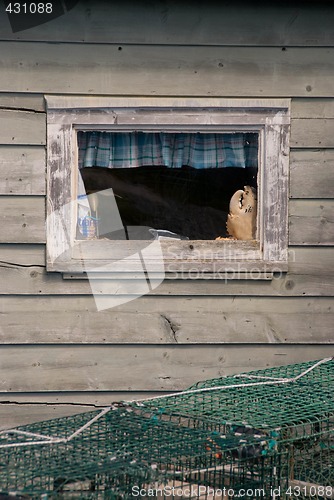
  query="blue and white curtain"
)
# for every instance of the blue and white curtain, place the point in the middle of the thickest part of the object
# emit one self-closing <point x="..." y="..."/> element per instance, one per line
<point x="197" y="150"/>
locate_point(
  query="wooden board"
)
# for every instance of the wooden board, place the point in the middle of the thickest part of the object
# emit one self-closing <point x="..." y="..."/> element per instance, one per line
<point x="312" y="133"/>
<point x="22" y="102"/>
<point x="311" y="222"/>
<point x="302" y="260"/>
<point x="312" y="173"/>
<point x="22" y="272"/>
<point x="161" y="70"/>
<point x="316" y="261"/>
<point x="13" y="415"/>
<point x="22" y="127"/>
<point x="34" y="281"/>
<point x="89" y="400"/>
<point x="214" y="23"/>
<point x="122" y="368"/>
<point x="22" y="170"/>
<point x="25" y="255"/>
<point x="162" y="320"/>
<point x="22" y="219"/>
<point x="312" y="108"/>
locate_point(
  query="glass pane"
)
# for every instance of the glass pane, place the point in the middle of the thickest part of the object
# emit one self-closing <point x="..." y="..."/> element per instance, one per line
<point x="178" y="184"/>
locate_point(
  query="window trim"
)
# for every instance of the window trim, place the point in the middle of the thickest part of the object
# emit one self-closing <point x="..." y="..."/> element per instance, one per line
<point x="269" y="117"/>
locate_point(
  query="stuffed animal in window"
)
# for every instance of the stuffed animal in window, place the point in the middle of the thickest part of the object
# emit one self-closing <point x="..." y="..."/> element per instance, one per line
<point x="241" y="221"/>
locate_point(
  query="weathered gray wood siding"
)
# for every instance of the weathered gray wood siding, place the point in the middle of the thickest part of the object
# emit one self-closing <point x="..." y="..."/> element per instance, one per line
<point x="55" y="348"/>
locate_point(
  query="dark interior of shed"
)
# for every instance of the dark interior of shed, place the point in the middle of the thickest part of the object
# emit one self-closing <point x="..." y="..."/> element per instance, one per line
<point x="191" y="202"/>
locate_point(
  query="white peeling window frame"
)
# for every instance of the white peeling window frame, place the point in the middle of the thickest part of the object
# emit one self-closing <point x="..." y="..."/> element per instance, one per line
<point x="270" y="118"/>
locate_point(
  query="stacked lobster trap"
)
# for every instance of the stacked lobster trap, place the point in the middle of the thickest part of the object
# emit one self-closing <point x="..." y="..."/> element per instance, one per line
<point x="265" y="434"/>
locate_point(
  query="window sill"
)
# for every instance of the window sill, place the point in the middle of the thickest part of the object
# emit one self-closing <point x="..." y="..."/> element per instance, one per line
<point x="224" y="276"/>
<point x="223" y="259"/>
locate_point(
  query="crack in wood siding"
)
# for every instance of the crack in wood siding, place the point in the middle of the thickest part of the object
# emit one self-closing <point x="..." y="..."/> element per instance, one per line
<point x="46" y="403"/>
<point x="9" y="265"/>
<point x="171" y="328"/>
<point x="24" y="110"/>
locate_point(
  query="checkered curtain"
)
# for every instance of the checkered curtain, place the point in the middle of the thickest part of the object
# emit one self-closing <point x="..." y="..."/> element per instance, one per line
<point x="197" y="150"/>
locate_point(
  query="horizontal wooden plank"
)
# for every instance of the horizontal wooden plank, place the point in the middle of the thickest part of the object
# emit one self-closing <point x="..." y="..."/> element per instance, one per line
<point x="35" y="281"/>
<point x="22" y="127"/>
<point x="214" y="23"/>
<point x="162" y="320"/>
<point x="22" y="170"/>
<point x="311" y="222"/>
<point x="22" y="272"/>
<point x="13" y="415"/>
<point x="161" y="70"/>
<point x="312" y="108"/>
<point x="302" y="260"/>
<point x="312" y="133"/>
<point x="23" y="255"/>
<point x="22" y="102"/>
<point x="312" y="173"/>
<point x="85" y="399"/>
<point x="76" y="109"/>
<point x="22" y="409"/>
<point x="22" y="219"/>
<point x="122" y="368"/>
<point x="317" y="261"/>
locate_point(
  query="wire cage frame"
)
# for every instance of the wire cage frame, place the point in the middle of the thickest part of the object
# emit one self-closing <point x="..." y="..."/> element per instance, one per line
<point x="265" y="434"/>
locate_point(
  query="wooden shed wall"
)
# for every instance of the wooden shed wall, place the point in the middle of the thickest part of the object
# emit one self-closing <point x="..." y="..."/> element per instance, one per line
<point x="57" y="354"/>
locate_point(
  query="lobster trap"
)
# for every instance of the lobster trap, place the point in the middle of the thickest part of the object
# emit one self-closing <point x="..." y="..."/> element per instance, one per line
<point x="267" y="434"/>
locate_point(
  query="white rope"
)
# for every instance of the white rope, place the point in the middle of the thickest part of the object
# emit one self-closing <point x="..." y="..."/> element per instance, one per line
<point x="88" y="424"/>
<point x="57" y="440"/>
<point x="50" y="439"/>
<point x="259" y="377"/>
<point x="25" y="433"/>
<point x="32" y="443"/>
<point x="272" y="381"/>
<point x="293" y="379"/>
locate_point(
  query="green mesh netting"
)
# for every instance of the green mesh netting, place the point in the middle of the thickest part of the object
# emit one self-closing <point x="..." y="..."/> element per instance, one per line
<point x="266" y="434"/>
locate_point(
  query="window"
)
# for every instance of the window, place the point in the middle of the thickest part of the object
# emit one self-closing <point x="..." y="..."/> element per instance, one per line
<point x="170" y="167"/>
<point x="177" y="185"/>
